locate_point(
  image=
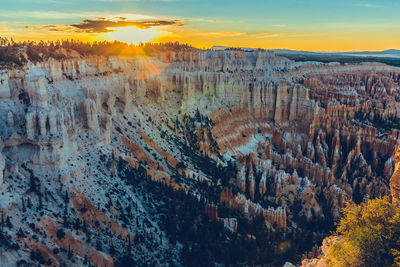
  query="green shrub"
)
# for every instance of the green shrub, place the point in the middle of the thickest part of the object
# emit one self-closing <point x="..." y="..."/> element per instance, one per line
<point x="367" y="235"/>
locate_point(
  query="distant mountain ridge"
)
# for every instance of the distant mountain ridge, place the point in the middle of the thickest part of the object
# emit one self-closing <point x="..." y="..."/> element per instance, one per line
<point x="391" y="53"/>
<point x="385" y="53"/>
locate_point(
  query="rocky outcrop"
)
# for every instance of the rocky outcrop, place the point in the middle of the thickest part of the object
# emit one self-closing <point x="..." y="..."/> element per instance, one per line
<point x="317" y="258"/>
<point x="230" y="223"/>
<point x="212" y="212"/>
<point x="395" y="179"/>
<point x="273" y="217"/>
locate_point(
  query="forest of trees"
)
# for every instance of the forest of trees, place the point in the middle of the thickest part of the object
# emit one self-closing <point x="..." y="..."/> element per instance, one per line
<point x="206" y="242"/>
<point x="393" y="61"/>
<point x="13" y="53"/>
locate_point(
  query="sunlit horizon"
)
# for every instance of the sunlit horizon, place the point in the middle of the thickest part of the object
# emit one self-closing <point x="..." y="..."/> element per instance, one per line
<point x="298" y="25"/>
<point x="133" y="35"/>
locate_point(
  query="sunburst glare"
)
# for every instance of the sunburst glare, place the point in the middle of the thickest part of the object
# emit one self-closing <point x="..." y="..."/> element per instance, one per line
<point x="134" y="35"/>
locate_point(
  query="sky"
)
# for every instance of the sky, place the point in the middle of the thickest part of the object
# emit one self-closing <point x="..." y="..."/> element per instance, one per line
<point x="313" y="25"/>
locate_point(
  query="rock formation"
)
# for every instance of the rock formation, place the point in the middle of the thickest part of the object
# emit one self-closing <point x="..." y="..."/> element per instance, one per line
<point x="395" y="179"/>
<point x="249" y="133"/>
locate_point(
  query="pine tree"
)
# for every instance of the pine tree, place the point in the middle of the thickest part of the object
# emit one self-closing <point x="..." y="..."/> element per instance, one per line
<point x="29" y="203"/>
<point x="46" y="198"/>
<point x="2" y="221"/>
<point x="8" y="222"/>
<point x="129" y="244"/>
<point x="99" y="245"/>
<point x="112" y="249"/>
<point x="23" y="206"/>
<point x="70" y="253"/>
<point x="20" y="233"/>
<point x="32" y="183"/>
<point x="65" y="216"/>
<point x="40" y="202"/>
<point x="66" y="197"/>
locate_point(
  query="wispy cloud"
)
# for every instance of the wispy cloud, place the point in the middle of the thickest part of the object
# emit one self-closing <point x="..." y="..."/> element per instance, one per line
<point x="51" y="27"/>
<point x="219" y="34"/>
<point x="73" y="16"/>
<point x="43" y="15"/>
<point x="279" y="25"/>
<point x="266" y="35"/>
<point x="368" y="5"/>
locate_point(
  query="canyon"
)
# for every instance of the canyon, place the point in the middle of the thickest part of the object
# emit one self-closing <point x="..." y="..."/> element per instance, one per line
<point x="95" y="150"/>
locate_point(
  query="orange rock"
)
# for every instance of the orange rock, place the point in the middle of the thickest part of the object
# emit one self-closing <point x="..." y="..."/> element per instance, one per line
<point x="395" y="179"/>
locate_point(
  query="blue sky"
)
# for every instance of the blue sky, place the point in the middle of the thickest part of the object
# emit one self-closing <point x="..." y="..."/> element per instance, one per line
<point x="295" y="24"/>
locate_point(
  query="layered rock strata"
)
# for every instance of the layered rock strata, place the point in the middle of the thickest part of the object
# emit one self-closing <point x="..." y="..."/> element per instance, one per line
<point x="296" y="139"/>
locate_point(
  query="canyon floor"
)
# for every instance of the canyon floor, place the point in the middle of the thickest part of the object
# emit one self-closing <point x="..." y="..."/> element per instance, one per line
<point x="188" y="158"/>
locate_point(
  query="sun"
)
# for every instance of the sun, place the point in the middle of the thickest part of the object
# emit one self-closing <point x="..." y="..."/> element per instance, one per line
<point x="134" y="35"/>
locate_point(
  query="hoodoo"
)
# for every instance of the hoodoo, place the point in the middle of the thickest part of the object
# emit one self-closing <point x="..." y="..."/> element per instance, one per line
<point x="101" y="155"/>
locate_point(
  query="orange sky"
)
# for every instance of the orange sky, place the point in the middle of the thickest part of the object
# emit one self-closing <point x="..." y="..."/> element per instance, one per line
<point x="314" y="25"/>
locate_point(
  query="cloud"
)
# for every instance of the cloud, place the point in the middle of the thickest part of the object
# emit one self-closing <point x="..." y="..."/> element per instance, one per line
<point x="72" y="16"/>
<point x="220" y="34"/>
<point x="266" y="35"/>
<point x="279" y="25"/>
<point x="42" y="15"/>
<point x="52" y="28"/>
<point x="368" y="5"/>
<point x="102" y="25"/>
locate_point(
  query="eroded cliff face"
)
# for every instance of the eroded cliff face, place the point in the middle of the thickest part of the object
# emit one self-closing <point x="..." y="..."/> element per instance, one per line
<point x="249" y="133"/>
<point x="395" y="179"/>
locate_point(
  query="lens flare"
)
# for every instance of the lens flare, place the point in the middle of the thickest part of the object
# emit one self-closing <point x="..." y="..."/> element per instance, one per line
<point x="133" y="35"/>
